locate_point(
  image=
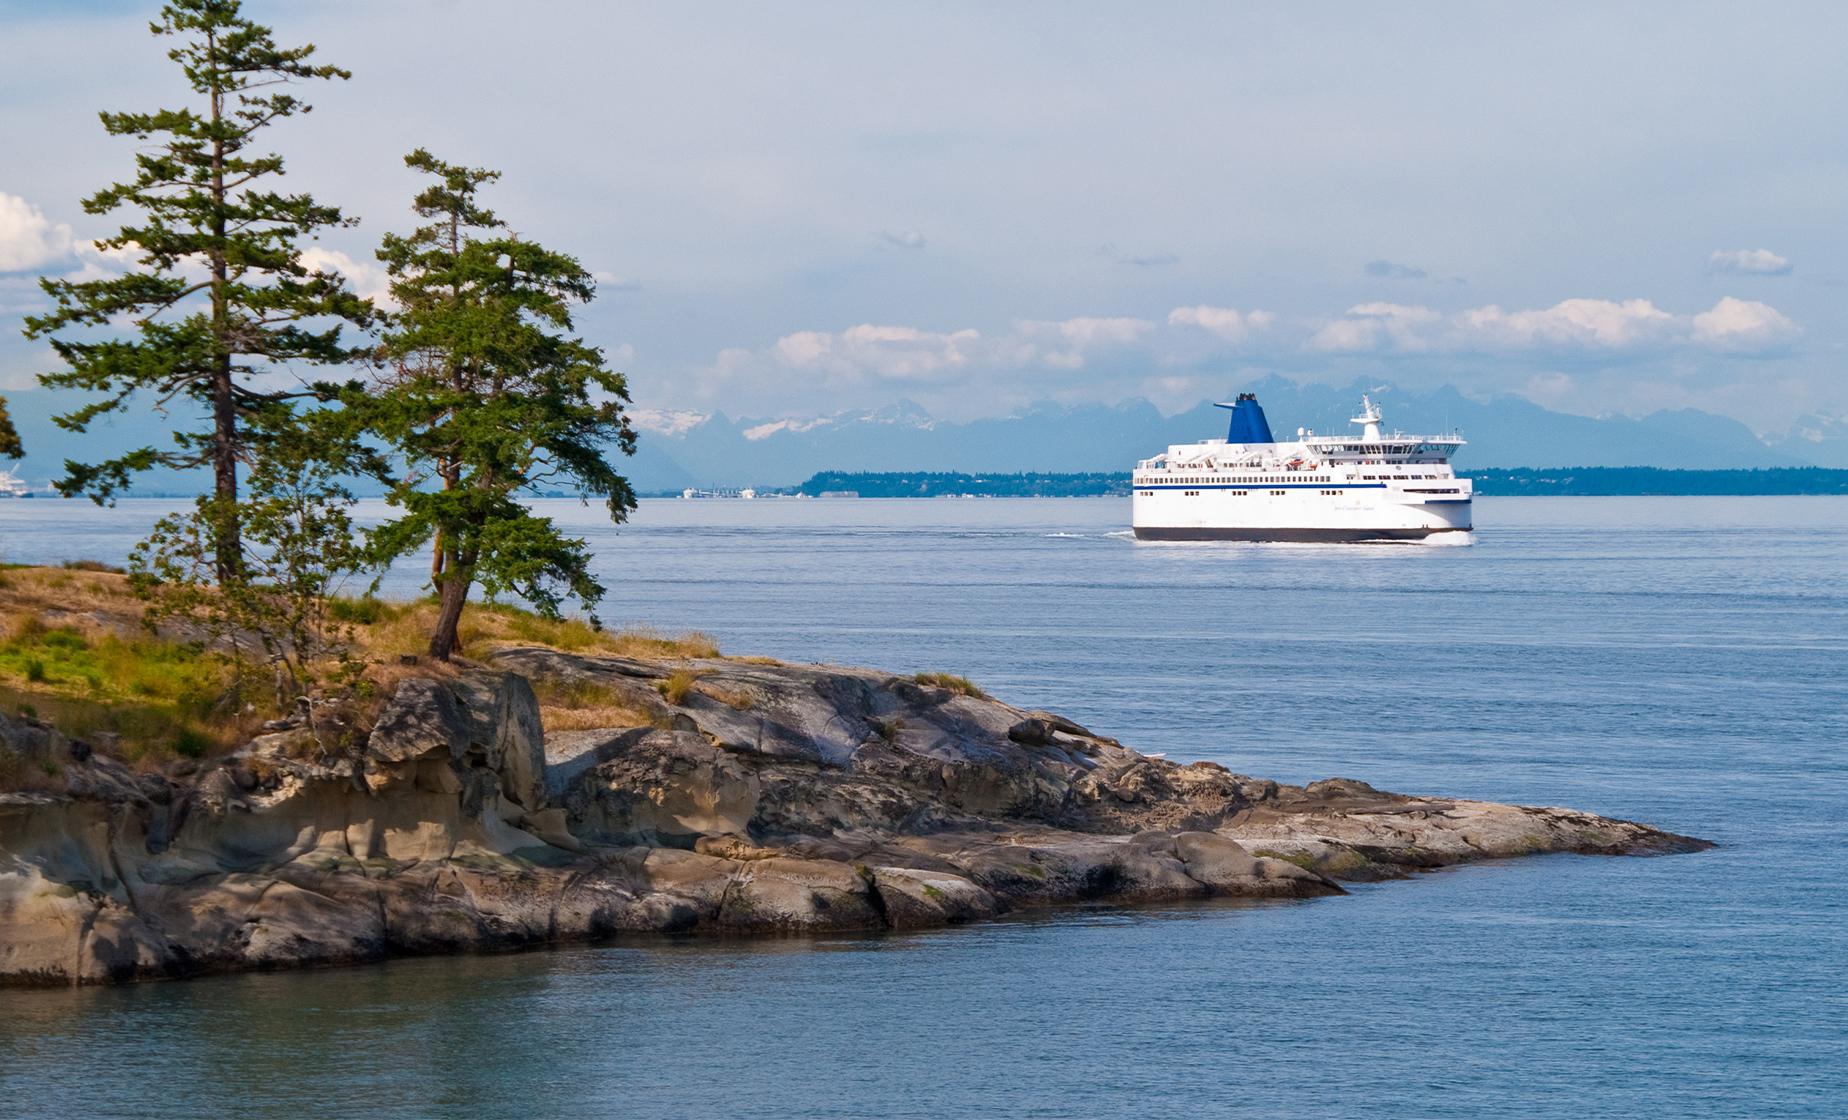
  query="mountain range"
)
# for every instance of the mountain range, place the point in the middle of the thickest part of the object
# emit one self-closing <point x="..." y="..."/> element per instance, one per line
<point x="710" y="449"/>
<point x="680" y="449"/>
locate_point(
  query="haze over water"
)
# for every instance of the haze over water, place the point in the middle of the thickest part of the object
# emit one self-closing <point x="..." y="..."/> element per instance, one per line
<point x="1677" y="661"/>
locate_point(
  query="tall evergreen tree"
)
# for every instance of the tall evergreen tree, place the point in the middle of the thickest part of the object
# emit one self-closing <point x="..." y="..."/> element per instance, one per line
<point x="10" y="445"/>
<point x="220" y="301"/>
<point x="489" y="398"/>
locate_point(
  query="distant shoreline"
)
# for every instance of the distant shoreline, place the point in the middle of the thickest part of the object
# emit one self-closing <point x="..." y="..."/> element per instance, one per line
<point x="1492" y="482"/>
<point x="1489" y="482"/>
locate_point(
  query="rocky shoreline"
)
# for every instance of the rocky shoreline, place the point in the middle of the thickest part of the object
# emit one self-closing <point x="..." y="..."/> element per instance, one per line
<point x="721" y="794"/>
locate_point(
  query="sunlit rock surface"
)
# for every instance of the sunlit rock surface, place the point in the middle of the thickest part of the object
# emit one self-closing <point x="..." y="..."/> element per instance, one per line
<point x="740" y="797"/>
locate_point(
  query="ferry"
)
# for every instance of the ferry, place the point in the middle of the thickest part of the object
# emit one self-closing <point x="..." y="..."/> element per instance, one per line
<point x="12" y="486"/>
<point x="1252" y="487"/>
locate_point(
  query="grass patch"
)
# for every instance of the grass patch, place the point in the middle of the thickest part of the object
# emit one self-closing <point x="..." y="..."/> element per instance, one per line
<point x="585" y="705"/>
<point x="388" y="630"/>
<point x="961" y="686"/>
<point x="735" y="698"/>
<point x="94" y="566"/>
<point x="678" y="686"/>
<point x="75" y="653"/>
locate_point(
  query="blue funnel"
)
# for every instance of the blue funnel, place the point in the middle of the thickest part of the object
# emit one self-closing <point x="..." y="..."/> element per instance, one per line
<point x="1248" y="422"/>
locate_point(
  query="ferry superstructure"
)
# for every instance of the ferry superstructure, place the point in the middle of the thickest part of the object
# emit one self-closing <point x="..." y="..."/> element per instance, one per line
<point x="12" y="486"/>
<point x="1252" y="487"/>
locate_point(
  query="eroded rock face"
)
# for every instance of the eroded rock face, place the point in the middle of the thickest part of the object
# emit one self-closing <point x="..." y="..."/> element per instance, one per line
<point x="771" y="799"/>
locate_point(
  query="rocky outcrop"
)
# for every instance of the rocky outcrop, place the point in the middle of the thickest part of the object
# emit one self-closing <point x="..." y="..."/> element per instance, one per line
<point x="761" y="798"/>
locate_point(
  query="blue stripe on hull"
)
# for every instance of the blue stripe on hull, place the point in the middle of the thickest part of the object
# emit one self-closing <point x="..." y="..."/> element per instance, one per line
<point x="1295" y="536"/>
<point x="1259" y="485"/>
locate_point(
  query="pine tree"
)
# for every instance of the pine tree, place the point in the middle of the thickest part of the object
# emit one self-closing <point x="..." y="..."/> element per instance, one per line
<point x="490" y="398"/>
<point x="220" y="301"/>
<point x="10" y="445"/>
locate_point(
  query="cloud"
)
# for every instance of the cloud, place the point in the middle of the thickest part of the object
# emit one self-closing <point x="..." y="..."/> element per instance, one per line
<point x="1371" y="326"/>
<point x="1195" y="349"/>
<point x="1588" y="323"/>
<point x="610" y="282"/>
<point x="1632" y="327"/>
<point x="1391" y="270"/>
<point x="368" y="280"/>
<point x="1743" y="325"/>
<point x="1226" y="322"/>
<point x="1748" y="262"/>
<point x="28" y="239"/>
<point x="904" y="239"/>
<point x="874" y="351"/>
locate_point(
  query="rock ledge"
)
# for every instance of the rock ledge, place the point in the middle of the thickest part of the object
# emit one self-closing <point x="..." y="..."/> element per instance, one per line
<point x="769" y="799"/>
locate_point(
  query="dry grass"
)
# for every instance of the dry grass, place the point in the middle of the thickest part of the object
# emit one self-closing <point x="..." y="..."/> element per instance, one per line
<point x="730" y="697"/>
<point x="74" y="652"/>
<point x="589" y="706"/>
<point x="678" y="685"/>
<point x="388" y="630"/>
<point x="961" y="686"/>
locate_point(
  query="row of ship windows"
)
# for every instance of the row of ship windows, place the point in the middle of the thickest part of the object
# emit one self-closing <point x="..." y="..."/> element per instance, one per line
<point x="1385" y="477"/>
<point x="1242" y="493"/>
<point x="1204" y="479"/>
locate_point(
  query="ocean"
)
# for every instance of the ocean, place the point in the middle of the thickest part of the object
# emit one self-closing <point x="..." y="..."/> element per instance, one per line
<point x="1681" y="661"/>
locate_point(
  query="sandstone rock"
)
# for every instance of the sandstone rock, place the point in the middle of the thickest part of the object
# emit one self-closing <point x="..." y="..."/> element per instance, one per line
<point x="775" y="798"/>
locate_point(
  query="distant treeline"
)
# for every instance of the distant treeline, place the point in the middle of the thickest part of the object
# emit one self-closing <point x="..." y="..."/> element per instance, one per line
<point x="1490" y="482"/>
<point x="1593" y="481"/>
<point x="949" y="484"/>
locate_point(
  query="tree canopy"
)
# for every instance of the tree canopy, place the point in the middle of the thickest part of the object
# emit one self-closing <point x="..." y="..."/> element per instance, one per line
<point x="489" y="397"/>
<point x="10" y="445"/>
<point x="220" y="307"/>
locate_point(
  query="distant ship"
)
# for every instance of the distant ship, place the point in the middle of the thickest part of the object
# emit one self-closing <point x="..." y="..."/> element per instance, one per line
<point x="747" y="493"/>
<point x="1251" y="487"/>
<point x="13" y="486"/>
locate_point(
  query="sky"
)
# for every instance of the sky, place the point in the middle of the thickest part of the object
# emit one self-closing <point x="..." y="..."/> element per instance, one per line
<point x="800" y="208"/>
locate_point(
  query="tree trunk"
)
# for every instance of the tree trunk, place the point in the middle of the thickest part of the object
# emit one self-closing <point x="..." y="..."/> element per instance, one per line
<point x="228" y="548"/>
<point x="453" y="596"/>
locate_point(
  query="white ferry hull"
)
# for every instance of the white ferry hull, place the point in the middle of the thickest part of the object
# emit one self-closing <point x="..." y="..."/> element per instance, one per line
<point x="1305" y="516"/>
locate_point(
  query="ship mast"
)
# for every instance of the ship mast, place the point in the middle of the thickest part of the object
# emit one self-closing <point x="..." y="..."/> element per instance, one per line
<point x="1369" y="416"/>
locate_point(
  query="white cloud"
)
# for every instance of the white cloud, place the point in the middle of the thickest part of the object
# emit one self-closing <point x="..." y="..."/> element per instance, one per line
<point x="28" y="239"/>
<point x="870" y="350"/>
<point x="1743" y="324"/>
<point x="1595" y="323"/>
<point x="1748" y="262"/>
<point x="1226" y="322"/>
<point x="1632" y="327"/>
<point x="903" y="239"/>
<point x="1372" y="326"/>
<point x="368" y="280"/>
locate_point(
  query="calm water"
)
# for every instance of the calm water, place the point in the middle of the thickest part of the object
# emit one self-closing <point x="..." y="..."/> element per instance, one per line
<point x="1680" y="661"/>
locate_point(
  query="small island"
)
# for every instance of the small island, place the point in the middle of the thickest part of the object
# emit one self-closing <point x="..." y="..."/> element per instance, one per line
<point x="564" y="784"/>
